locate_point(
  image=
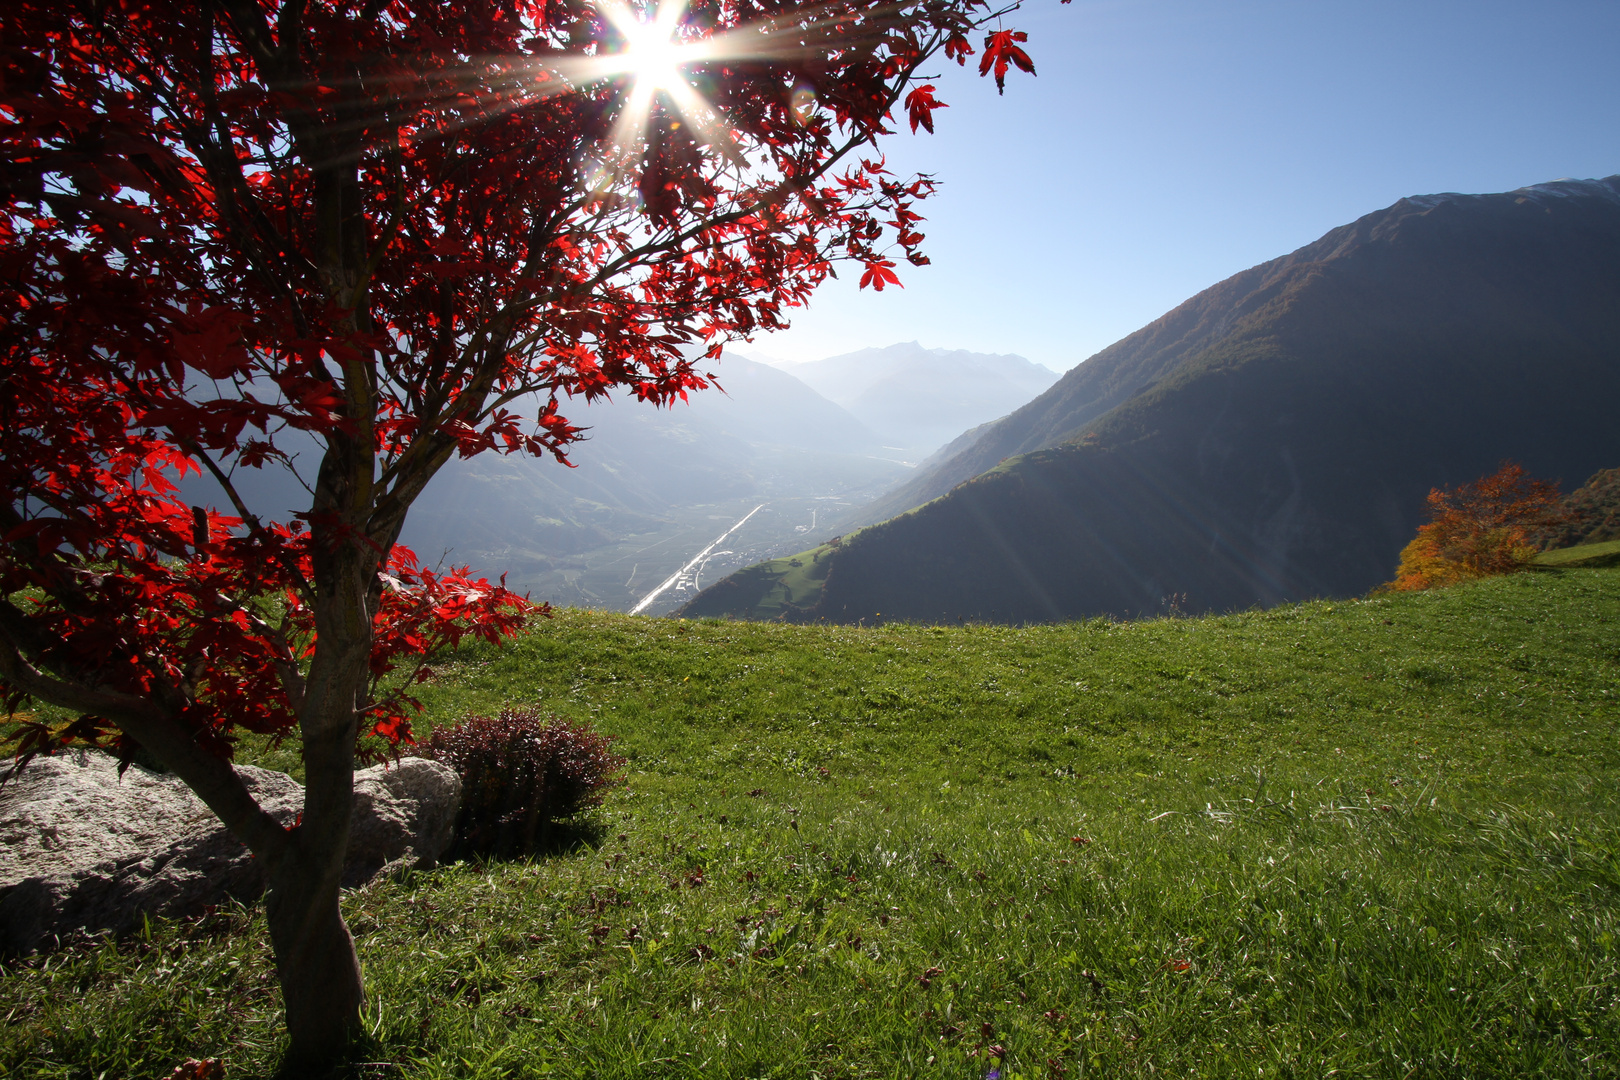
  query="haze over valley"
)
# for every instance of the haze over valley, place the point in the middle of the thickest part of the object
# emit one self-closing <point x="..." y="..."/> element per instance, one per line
<point x="652" y="489"/>
<point x="920" y="399"/>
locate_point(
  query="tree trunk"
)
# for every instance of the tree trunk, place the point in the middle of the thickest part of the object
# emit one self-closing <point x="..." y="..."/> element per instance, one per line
<point x="315" y="958"/>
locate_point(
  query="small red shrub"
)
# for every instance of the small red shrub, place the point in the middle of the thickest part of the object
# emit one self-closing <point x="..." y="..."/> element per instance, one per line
<point x="521" y="771"/>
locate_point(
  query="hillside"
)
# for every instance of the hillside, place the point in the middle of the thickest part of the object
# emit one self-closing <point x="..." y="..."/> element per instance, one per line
<point x="1502" y="260"/>
<point x="1594" y="510"/>
<point x="1272" y="438"/>
<point x="1368" y="839"/>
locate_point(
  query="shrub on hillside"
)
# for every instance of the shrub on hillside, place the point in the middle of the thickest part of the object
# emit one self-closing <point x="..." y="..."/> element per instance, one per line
<point x="1479" y="530"/>
<point x="520" y="772"/>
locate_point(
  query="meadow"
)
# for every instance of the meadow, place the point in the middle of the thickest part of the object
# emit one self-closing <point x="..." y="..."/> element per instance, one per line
<point x="1372" y="838"/>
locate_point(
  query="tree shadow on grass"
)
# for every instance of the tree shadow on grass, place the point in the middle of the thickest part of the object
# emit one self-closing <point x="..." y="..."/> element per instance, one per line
<point x="367" y="1057"/>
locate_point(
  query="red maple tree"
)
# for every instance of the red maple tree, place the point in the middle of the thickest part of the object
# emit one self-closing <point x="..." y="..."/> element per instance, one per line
<point x="411" y="229"/>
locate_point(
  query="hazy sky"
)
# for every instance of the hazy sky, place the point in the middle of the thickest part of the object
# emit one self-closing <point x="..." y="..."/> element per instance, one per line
<point x="1167" y="144"/>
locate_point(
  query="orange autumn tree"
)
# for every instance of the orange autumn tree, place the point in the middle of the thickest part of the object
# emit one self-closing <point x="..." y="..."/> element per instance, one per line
<point x="1478" y="530"/>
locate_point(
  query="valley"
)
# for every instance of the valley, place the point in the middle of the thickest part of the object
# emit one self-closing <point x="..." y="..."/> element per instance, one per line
<point x="648" y="489"/>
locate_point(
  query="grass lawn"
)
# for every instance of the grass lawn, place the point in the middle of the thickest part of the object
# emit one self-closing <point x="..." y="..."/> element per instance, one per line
<point x="1369" y="838"/>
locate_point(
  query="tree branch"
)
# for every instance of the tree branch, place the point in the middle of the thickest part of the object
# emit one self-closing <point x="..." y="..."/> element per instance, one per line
<point x="212" y="778"/>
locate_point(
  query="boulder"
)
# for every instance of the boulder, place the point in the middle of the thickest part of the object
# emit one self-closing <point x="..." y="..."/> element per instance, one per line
<point x="404" y="815"/>
<point x="82" y="848"/>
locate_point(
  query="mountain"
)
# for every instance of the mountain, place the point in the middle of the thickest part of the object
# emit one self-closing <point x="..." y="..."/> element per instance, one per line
<point x="651" y="486"/>
<point x="761" y="433"/>
<point x="918" y="399"/>
<point x="1271" y="439"/>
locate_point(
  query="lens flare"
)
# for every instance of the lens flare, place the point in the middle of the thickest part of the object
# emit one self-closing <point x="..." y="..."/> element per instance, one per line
<point x="654" y="56"/>
<point x="657" y="52"/>
<point x="803" y="102"/>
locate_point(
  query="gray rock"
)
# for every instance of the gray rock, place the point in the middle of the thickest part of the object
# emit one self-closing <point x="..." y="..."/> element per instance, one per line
<point x="404" y="815"/>
<point x="82" y="848"/>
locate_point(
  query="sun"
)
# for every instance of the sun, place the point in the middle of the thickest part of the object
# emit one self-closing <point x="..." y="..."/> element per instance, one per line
<point x="655" y="57"/>
<point x="656" y="52"/>
<point x="651" y="53"/>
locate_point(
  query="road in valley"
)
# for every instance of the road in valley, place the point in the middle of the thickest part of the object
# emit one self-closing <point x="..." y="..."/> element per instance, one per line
<point x="696" y="564"/>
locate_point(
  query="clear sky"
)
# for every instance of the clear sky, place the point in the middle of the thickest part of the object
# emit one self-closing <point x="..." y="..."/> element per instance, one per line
<point x="1168" y="144"/>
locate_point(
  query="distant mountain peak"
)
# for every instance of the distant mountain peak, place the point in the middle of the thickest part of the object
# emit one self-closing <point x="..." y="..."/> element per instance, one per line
<point x="921" y="398"/>
<point x="915" y="347"/>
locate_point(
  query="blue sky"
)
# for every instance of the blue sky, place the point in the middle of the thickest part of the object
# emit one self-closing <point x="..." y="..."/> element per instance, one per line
<point x="1166" y="145"/>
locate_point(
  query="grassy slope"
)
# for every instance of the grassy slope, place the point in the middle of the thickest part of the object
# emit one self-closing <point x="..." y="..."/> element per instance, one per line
<point x="1381" y="837"/>
<point x="794" y="580"/>
<point x="1606" y="553"/>
<point x="769" y="589"/>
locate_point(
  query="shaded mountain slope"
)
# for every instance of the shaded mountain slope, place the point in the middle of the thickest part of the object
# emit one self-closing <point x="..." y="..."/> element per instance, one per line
<point x="1490" y="278"/>
<point x="1274" y="437"/>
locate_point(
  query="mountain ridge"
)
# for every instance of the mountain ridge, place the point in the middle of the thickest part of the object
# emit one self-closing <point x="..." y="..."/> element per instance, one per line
<point x="1134" y="363"/>
<point x="915" y="397"/>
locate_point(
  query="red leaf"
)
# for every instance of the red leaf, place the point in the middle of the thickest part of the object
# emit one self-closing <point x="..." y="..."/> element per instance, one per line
<point x="215" y="346"/>
<point x="878" y="274"/>
<point x="1000" y="51"/>
<point x="920" y="104"/>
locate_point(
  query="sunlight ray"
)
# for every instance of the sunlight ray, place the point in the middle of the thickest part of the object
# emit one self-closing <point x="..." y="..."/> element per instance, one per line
<point x="656" y="59"/>
<point x="703" y="120"/>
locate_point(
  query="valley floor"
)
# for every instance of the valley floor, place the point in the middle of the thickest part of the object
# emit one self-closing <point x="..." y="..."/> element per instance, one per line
<point x="1372" y="838"/>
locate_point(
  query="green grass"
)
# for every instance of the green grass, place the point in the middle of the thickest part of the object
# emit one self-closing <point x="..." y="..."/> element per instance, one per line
<point x="1602" y="554"/>
<point x="1372" y="838"/>
<point x="796" y="579"/>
